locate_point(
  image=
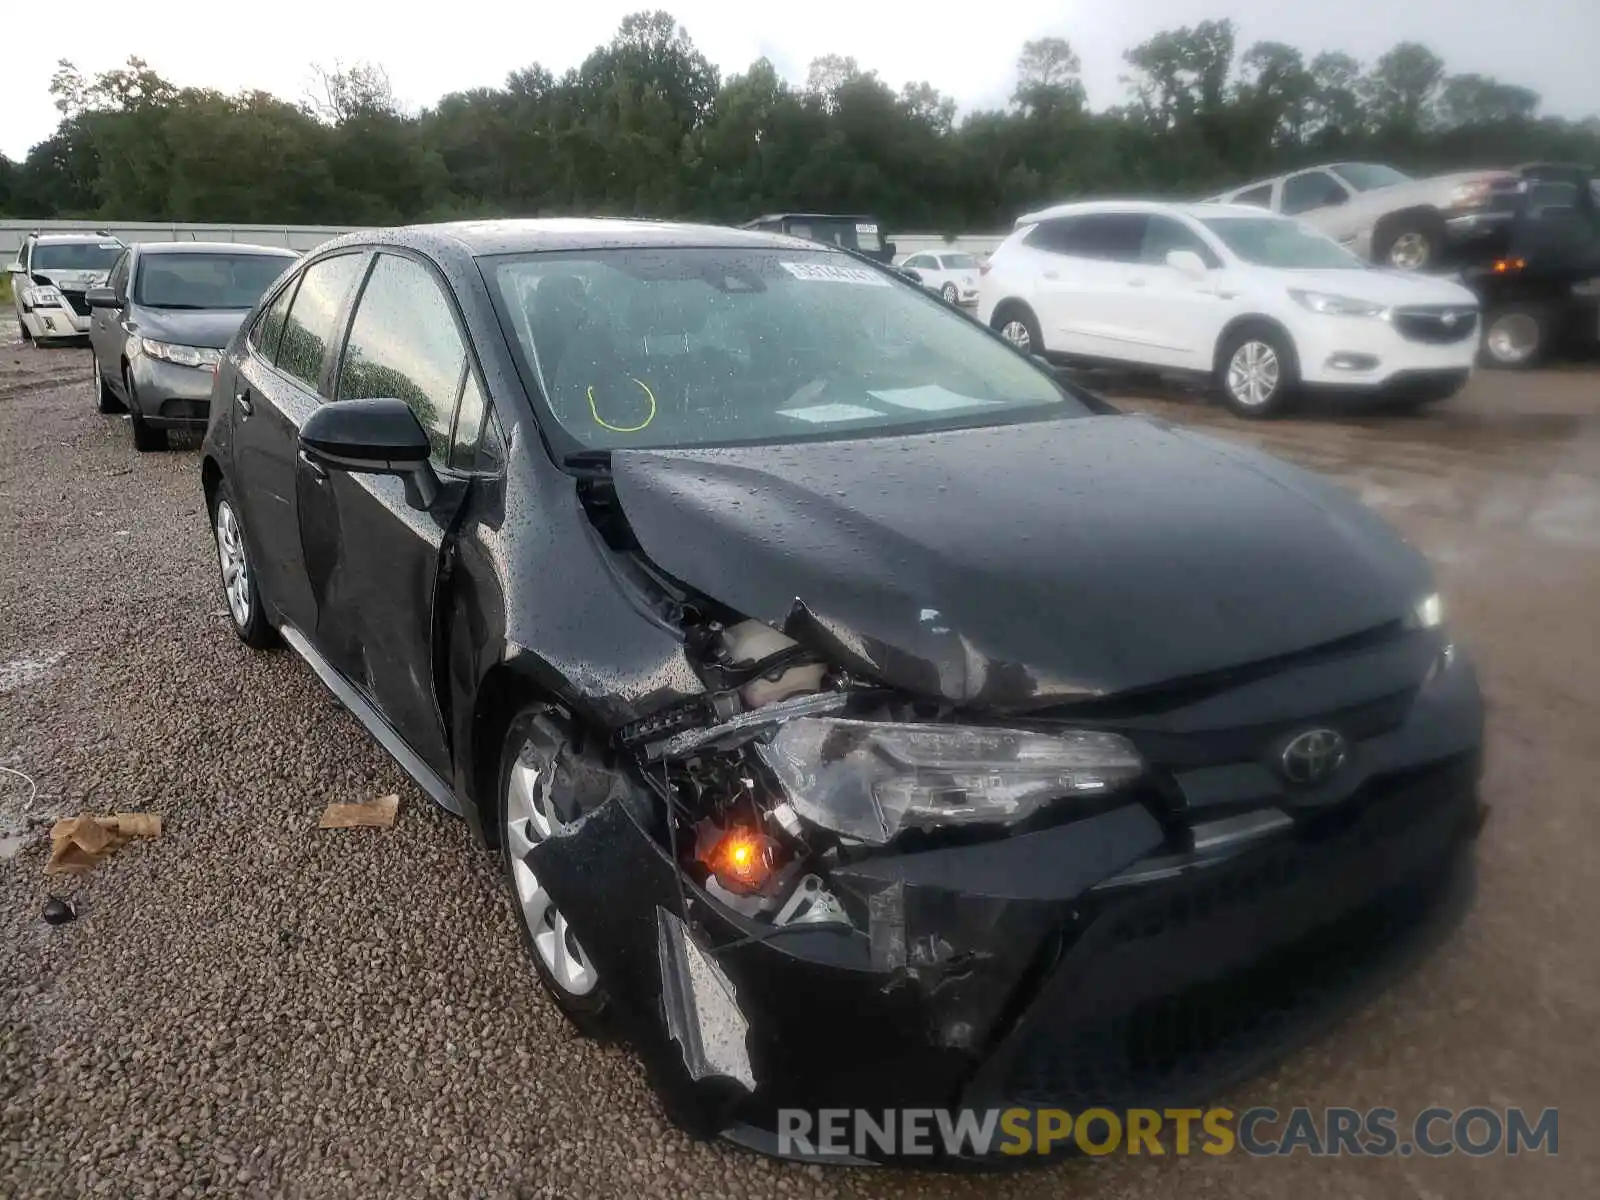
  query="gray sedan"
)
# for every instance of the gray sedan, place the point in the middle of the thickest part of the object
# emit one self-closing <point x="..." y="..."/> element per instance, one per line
<point x="160" y="324"/>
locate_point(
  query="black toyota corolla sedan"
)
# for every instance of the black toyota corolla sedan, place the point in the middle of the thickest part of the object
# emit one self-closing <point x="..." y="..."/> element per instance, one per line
<point x="865" y="717"/>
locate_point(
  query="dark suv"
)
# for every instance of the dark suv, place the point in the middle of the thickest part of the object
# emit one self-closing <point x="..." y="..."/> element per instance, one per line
<point x="862" y="234"/>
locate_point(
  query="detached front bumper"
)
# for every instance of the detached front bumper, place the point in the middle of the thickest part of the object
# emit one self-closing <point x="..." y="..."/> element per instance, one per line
<point x="1093" y="964"/>
<point x="47" y="322"/>
<point x="169" y="396"/>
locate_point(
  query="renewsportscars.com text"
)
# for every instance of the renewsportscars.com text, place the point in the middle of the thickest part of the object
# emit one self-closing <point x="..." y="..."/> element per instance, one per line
<point x="1259" y="1132"/>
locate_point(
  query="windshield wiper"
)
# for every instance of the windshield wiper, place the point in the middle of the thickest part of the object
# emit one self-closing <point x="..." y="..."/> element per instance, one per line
<point x="180" y="307"/>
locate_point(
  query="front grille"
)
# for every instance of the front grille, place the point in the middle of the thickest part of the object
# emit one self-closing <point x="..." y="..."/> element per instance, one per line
<point x="77" y="301"/>
<point x="1439" y="325"/>
<point x="1175" y="990"/>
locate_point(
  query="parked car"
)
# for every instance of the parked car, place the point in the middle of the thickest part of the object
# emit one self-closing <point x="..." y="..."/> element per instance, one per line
<point x="860" y="233"/>
<point x="1543" y="293"/>
<point x="1262" y="305"/>
<point x="953" y="274"/>
<point x="50" y="278"/>
<point x="1385" y="215"/>
<point x="160" y="323"/>
<point x="863" y="715"/>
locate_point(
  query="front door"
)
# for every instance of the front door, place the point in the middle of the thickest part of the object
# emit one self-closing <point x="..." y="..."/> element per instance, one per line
<point x="374" y="561"/>
<point x="275" y="388"/>
<point x="105" y="326"/>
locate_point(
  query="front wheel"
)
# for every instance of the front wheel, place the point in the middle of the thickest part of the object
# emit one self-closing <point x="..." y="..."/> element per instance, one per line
<point x="1515" y="336"/>
<point x="145" y="438"/>
<point x="1257" y="372"/>
<point x="1020" y="327"/>
<point x="105" y="398"/>
<point x="537" y="789"/>
<point x="949" y="294"/>
<point x="1409" y="243"/>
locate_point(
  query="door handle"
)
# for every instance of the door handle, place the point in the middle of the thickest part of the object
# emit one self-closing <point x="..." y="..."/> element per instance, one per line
<point x="1136" y="282"/>
<point x="242" y="399"/>
<point x="314" y="469"/>
<point x="1052" y="275"/>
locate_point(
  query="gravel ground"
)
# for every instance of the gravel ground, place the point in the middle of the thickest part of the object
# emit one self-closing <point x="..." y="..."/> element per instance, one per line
<point x="249" y="1006"/>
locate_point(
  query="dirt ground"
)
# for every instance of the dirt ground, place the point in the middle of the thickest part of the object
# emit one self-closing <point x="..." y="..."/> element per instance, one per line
<point x="249" y="1006"/>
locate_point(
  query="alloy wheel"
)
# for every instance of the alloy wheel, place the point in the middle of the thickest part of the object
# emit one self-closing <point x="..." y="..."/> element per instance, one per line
<point x="235" y="564"/>
<point x="1513" y="338"/>
<point x="1410" y="252"/>
<point x="949" y="293"/>
<point x="1017" y="334"/>
<point x="1254" y="374"/>
<point x="531" y="819"/>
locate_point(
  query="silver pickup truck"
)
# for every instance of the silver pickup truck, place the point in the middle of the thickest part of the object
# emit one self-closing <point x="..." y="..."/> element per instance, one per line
<point x="1387" y="216"/>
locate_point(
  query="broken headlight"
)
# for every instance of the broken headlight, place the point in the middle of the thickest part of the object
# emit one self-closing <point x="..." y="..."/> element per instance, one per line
<point x="868" y="780"/>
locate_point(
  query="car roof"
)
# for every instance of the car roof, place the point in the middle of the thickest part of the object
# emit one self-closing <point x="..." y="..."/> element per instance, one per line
<point x="810" y="216"/>
<point x="67" y="239"/>
<point x="1198" y="211"/>
<point x="528" y="235"/>
<point x="213" y="248"/>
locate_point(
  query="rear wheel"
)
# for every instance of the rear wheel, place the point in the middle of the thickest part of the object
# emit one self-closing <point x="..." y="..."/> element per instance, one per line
<point x="1256" y="371"/>
<point x="1017" y="324"/>
<point x="1515" y="337"/>
<point x="238" y="574"/>
<point x="949" y="293"/>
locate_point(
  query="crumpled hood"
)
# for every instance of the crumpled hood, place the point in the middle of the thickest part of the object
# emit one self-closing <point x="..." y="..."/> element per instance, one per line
<point x="206" y="328"/>
<point x="1014" y="566"/>
<point x="73" y="280"/>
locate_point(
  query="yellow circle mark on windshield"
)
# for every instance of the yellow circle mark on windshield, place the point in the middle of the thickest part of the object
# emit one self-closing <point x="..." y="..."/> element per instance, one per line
<point x="605" y="424"/>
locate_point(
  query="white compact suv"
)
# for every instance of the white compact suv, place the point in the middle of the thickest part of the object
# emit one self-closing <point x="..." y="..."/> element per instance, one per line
<point x="1263" y="305"/>
<point x="953" y="274"/>
<point x="50" y="277"/>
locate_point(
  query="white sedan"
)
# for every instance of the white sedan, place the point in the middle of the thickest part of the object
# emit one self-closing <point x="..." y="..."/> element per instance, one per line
<point x="1264" y="306"/>
<point x="951" y="273"/>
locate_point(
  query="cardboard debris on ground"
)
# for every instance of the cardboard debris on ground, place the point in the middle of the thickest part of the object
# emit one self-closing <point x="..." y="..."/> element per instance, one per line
<point x="378" y="814"/>
<point x="78" y="843"/>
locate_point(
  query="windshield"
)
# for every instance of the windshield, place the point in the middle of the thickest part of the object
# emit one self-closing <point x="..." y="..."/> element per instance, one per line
<point x="852" y="235"/>
<point x="960" y="262"/>
<point x="220" y="280"/>
<point x="74" y="256"/>
<point x="685" y="347"/>
<point x="1366" y="176"/>
<point x="1273" y="242"/>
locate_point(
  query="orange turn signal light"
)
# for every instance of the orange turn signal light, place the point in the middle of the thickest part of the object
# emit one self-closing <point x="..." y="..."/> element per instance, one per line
<point x="742" y="861"/>
<point x="1503" y="266"/>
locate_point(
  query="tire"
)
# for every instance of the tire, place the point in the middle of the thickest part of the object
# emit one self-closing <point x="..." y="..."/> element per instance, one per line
<point x="533" y="804"/>
<point x="949" y="294"/>
<point x="145" y="439"/>
<point x="243" y="599"/>
<point x="106" y="399"/>
<point x="1257" y="372"/>
<point x="1017" y="324"/>
<point x="1515" y="337"/>
<point x="1409" y="242"/>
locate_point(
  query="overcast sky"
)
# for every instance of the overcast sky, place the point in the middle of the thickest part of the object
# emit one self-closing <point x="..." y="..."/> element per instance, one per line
<point x="969" y="52"/>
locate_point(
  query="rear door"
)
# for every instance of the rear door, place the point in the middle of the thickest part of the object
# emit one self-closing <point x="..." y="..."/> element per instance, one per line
<point x="1100" y="252"/>
<point x="373" y="561"/>
<point x="275" y="388"/>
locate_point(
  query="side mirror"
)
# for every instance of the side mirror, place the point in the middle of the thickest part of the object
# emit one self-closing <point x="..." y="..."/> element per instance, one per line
<point x="1186" y="261"/>
<point x="15" y="268"/>
<point x="101" y="297"/>
<point x="373" y="437"/>
<point x="890" y="249"/>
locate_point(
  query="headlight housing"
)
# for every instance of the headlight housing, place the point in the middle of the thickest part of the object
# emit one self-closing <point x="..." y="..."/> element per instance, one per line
<point x="1471" y="194"/>
<point x="870" y="780"/>
<point x="184" y="356"/>
<point x="1428" y="613"/>
<point x="1330" y="305"/>
<point x="43" y="297"/>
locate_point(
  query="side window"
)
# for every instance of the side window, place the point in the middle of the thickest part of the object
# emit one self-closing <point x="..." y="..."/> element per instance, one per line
<point x="267" y="332"/>
<point x="1164" y="234"/>
<point x="1054" y="235"/>
<point x="1113" y="237"/>
<point x="469" y="425"/>
<point x="1313" y="189"/>
<point x="1257" y="197"/>
<point x="404" y="343"/>
<point x="310" y="326"/>
<point x="117" y="281"/>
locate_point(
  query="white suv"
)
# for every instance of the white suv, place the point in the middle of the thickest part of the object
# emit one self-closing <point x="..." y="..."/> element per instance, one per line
<point x="52" y="273"/>
<point x="1261" y="304"/>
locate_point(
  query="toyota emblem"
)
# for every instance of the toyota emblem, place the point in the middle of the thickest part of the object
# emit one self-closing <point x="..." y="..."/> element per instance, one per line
<point x="1313" y="756"/>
